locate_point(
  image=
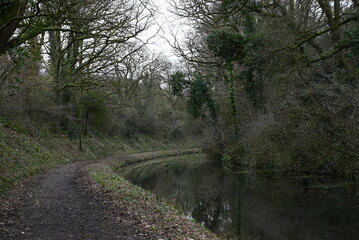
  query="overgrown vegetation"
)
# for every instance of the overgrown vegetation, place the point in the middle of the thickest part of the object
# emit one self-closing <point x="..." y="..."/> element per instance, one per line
<point x="268" y="84"/>
<point x="284" y="79"/>
<point x="262" y="84"/>
<point x="78" y="67"/>
<point x="25" y="152"/>
<point x="75" y="83"/>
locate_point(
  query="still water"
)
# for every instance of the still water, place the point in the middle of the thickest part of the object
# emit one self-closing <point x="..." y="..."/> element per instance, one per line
<point x="256" y="205"/>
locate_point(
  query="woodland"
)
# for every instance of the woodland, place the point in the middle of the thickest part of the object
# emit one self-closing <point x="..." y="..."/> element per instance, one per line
<point x="264" y="84"/>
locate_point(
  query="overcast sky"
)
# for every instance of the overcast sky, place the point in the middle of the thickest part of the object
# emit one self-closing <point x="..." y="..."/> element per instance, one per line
<point x="169" y="23"/>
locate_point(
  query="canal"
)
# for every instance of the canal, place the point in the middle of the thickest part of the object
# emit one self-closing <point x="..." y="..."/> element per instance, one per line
<point x="252" y="205"/>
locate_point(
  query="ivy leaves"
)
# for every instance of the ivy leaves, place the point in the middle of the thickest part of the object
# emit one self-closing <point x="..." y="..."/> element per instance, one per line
<point x="199" y="93"/>
<point x="5" y="5"/>
<point x="178" y="83"/>
<point x="226" y="44"/>
<point x="200" y="97"/>
<point x="233" y="47"/>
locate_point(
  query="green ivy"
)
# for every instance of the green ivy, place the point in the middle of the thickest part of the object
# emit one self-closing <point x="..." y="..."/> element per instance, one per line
<point x="226" y="44"/>
<point x="5" y="5"/>
<point x="352" y="39"/>
<point x="178" y="83"/>
<point x="200" y="97"/>
<point x="229" y="4"/>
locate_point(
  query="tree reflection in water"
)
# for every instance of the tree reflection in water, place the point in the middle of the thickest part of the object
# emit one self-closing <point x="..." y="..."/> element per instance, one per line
<point x="257" y="206"/>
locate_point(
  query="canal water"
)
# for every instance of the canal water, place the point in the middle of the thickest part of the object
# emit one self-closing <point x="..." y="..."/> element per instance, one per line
<point x="252" y="205"/>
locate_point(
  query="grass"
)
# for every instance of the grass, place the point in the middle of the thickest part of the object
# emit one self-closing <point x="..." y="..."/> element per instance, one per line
<point x="22" y="155"/>
<point x="25" y="153"/>
<point x="146" y="156"/>
<point x="152" y="214"/>
<point x="147" y="168"/>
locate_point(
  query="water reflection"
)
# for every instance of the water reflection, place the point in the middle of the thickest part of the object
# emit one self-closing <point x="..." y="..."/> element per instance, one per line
<point x="254" y="206"/>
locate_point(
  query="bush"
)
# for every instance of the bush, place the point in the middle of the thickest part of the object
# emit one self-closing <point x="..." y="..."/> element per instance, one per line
<point x="316" y="131"/>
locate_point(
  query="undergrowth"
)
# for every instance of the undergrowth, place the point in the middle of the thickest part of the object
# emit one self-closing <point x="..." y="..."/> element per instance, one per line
<point x="27" y="152"/>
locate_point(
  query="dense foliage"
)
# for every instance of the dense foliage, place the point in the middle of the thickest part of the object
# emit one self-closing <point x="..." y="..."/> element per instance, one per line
<point x="270" y="84"/>
<point x="284" y="75"/>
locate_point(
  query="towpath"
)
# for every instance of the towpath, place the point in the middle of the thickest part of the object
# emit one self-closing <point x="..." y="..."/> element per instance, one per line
<point x="57" y="206"/>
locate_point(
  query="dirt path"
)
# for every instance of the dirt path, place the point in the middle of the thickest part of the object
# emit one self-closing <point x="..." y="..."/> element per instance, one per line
<point x="55" y="206"/>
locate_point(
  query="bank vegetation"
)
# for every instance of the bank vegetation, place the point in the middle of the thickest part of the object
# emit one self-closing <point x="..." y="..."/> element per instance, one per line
<point x="262" y="84"/>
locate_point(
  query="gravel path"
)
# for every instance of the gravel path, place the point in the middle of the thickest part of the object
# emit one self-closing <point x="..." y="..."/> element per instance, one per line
<point x="55" y="206"/>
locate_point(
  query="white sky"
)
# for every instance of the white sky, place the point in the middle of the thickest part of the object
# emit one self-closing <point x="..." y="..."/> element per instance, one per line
<point x="169" y="23"/>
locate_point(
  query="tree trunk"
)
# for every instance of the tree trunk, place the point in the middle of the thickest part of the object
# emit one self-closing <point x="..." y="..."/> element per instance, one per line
<point x="232" y="101"/>
<point x="87" y="115"/>
<point x="333" y="18"/>
<point x="9" y="21"/>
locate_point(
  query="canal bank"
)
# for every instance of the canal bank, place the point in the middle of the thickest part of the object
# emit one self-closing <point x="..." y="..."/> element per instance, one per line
<point x="251" y="204"/>
<point x="156" y="219"/>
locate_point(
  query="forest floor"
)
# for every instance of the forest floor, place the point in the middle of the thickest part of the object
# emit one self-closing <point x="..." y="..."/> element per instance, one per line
<point x="63" y="204"/>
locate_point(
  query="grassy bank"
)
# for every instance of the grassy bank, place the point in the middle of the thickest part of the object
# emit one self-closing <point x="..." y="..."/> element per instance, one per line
<point x="169" y="163"/>
<point x="26" y="152"/>
<point x="159" y="219"/>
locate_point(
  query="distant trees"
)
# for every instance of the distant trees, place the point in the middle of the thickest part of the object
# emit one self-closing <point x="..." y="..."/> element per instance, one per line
<point x="83" y="49"/>
<point x="80" y="67"/>
<point x="142" y="99"/>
